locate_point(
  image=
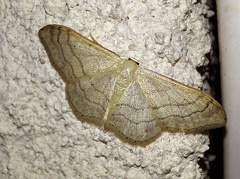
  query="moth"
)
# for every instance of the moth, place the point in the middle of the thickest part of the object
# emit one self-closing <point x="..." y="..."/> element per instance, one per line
<point x="134" y="103"/>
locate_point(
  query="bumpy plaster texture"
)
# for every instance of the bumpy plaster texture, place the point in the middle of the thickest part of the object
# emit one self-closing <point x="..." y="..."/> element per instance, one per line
<point x="41" y="138"/>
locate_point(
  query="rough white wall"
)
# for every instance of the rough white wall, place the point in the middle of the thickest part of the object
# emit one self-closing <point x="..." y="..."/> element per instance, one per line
<point x="39" y="135"/>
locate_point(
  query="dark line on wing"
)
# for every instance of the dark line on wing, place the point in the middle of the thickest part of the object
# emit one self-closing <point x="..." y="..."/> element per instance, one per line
<point x="100" y="92"/>
<point x="199" y="111"/>
<point x="89" y="100"/>
<point x="118" y="114"/>
<point x="76" y="109"/>
<point x="79" y="60"/>
<point x="61" y="50"/>
<point x="180" y="104"/>
<point x="159" y="108"/>
<point x="129" y="138"/>
<point x="128" y="105"/>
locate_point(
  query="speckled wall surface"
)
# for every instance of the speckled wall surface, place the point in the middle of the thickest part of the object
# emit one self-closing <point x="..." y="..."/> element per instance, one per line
<point x="41" y="138"/>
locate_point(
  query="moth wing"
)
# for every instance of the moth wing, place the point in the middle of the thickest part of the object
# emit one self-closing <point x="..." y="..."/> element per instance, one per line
<point x="75" y="56"/>
<point x="179" y="107"/>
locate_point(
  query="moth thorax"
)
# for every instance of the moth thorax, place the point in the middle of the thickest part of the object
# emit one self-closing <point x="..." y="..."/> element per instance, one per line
<point x="126" y="72"/>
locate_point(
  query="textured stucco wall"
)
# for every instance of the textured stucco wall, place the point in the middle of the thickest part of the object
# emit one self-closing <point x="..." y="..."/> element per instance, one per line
<point x="39" y="135"/>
